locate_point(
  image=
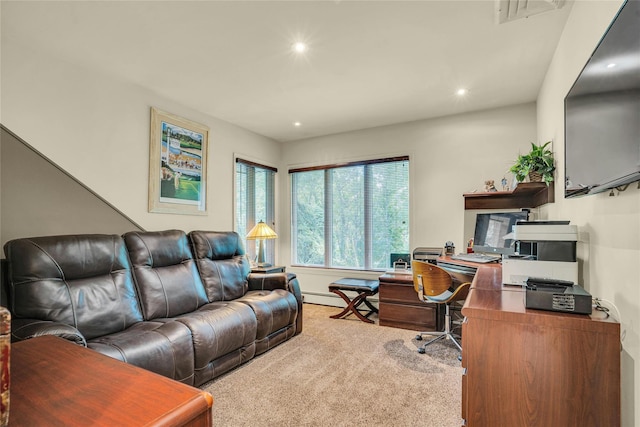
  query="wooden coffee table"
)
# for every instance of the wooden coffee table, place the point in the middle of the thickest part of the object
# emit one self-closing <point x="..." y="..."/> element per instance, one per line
<point x="57" y="383"/>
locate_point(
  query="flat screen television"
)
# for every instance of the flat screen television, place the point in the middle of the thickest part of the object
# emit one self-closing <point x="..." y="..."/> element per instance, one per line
<point x="602" y="111"/>
<point x="491" y="231"/>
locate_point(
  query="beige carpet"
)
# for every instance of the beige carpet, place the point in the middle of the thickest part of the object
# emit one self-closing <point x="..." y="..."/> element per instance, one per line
<point x="342" y="373"/>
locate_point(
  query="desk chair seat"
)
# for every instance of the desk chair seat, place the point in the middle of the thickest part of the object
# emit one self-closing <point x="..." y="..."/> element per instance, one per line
<point x="433" y="284"/>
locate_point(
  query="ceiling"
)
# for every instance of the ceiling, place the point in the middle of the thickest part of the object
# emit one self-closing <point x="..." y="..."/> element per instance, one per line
<point x="368" y="63"/>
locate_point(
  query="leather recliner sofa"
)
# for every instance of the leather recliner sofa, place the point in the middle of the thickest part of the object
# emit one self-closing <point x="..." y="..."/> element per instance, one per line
<point x="183" y="306"/>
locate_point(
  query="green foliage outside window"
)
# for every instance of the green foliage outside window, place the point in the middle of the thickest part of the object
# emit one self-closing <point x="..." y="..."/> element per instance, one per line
<point x="351" y="216"/>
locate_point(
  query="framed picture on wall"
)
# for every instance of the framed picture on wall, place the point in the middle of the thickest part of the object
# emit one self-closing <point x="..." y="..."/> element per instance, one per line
<point x="177" y="165"/>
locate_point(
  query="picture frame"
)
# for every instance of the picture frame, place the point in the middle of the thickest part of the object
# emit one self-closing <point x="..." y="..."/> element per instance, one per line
<point x="178" y="151"/>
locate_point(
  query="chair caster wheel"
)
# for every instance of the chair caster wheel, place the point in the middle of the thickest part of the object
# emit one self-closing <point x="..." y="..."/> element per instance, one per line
<point x="418" y="337"/>
<point x="422" y="350"/>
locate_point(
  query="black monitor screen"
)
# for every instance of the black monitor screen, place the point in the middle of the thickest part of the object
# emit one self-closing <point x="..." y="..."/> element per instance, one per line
<point x="491" y="229"/>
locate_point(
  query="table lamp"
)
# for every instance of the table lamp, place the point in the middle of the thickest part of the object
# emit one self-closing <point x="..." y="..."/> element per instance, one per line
<point x="260" y="232"/>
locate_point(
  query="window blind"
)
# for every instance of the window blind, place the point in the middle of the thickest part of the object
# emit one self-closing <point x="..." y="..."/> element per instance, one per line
<point x="254" y="201"/>
<point x="350" y="215"/>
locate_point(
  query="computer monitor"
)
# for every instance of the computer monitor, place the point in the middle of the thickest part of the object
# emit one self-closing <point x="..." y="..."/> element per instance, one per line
<point x="491" y="229"/>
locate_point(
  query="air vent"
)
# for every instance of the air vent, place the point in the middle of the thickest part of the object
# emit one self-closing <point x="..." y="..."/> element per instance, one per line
<point x="511" y="10"/>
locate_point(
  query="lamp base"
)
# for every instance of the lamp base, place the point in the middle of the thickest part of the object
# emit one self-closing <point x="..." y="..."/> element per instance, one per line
<point x="261" y="261"/>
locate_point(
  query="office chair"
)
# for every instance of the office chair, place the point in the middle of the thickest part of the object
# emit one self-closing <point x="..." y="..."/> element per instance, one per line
<point x="434" y="285"/>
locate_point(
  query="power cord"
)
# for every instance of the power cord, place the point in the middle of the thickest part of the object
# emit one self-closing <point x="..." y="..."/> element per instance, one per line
<point x="597" y="305"/>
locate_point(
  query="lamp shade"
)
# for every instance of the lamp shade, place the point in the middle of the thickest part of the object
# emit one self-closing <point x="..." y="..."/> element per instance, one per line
<point x="261" y="231"/>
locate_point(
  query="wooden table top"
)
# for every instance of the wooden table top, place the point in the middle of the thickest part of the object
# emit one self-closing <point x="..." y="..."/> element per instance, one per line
<point x="490" y="299"/>
<point x="58" y="383"/>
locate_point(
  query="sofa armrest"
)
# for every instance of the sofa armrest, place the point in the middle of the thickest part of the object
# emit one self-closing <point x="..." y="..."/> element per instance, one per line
<point x="293" y="286"/>
<point x="22" y="329"/>
<point x="287" y="281"/>
<point x="269" y="282"/>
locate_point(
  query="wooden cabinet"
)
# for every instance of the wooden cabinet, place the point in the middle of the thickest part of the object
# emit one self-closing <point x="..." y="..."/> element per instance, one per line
<point x="399" y="304"/>
<point x="525" y="195"/>
<point x="527" y="367"/>
<point x="55" y="382"/>
<point x="400" y="307"/>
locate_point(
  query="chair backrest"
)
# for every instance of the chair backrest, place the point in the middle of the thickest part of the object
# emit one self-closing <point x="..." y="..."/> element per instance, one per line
<point x="433" y="279"/>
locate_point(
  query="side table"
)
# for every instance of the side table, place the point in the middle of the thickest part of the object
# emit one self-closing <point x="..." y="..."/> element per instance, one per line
<point x="268" y="270"/>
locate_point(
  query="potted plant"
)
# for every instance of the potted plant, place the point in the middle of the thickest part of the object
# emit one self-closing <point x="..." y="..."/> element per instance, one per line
<point x="538" y="164"/>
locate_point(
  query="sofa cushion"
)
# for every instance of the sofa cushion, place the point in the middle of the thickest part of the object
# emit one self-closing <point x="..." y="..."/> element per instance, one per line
<point x="83" y="281"/>
<point x="220" y="330"/>
<point x="222" y="264"/>
<point x="163" y="348"/>
<point x="276" y="312"/>
<point x="165" y="273"/>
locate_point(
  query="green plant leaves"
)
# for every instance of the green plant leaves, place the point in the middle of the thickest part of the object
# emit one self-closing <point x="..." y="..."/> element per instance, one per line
<point x="539" y="159"/>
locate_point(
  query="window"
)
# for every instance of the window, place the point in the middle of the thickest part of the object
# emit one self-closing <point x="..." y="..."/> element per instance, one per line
<point x="254" y="202"/>
<point x="352" y="215"/>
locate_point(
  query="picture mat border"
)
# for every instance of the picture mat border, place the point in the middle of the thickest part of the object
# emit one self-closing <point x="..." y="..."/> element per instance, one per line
<point x="155" y="146"/>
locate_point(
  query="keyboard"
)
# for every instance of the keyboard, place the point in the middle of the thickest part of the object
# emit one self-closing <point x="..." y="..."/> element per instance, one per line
<point x="474" y="257"/>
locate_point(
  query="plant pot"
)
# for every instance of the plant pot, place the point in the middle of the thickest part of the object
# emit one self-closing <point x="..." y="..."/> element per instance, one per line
<point x="535" y="177"/>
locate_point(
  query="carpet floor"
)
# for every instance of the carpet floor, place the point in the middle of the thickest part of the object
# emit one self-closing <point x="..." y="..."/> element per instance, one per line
<point x="343" y="372"/>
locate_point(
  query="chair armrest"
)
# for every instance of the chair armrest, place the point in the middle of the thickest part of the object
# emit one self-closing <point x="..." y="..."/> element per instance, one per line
<point x="22" y="329"/>
<point x="461" y="292"/>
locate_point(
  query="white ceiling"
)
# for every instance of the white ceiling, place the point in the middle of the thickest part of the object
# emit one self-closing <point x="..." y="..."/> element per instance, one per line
<point x="369" y="63"/>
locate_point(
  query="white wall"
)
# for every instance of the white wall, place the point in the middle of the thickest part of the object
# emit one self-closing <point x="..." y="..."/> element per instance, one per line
<point x="449" y="156"/>
<point x="609" y="227"/>
<point x="97" y="129"/>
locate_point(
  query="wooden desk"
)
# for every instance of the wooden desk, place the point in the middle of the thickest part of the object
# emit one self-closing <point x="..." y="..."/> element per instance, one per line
<point x="399" y="306"/>
<point x="527" y="367"/>
<point x="57" y="383"/>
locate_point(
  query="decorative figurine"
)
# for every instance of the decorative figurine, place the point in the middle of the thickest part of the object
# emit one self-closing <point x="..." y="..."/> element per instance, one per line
<point x="505" y="186"/>
<point x="489" y="186"/>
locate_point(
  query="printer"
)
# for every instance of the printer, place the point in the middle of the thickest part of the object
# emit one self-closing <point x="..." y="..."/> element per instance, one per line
<point x="427" y="254"/>
<point x="544" y="250"/>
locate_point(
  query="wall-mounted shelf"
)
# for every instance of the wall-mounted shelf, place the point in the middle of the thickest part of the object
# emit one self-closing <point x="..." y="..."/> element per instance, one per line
<point x="525" y="195"/>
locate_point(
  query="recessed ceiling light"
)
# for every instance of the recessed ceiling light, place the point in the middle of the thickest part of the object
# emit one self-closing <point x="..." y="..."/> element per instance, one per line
<point x="297" y="124"/>
<point x="611" y="65"/>
<point x="299" y="47"/>
<point x="461" y="92"/>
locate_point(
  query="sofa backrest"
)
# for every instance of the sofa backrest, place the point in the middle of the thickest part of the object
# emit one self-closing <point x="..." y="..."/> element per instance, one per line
<point x="165" y="273"/>
<point x="222" y="263"/>
<point x="80" y="280"/>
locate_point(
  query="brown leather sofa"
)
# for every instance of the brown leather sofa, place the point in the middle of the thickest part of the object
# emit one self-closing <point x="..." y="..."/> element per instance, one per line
<point x="184" y="306"/>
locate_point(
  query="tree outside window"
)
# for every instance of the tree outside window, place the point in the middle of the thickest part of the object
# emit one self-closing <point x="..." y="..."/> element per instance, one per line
<point x="254" y="201"/>
<point x="351" y="216"/>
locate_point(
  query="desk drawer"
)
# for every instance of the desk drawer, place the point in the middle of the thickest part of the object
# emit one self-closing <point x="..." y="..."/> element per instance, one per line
<point x="418" y="318"/>
<point x="464" y="395"/>
<point x="399" y="293"/>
